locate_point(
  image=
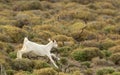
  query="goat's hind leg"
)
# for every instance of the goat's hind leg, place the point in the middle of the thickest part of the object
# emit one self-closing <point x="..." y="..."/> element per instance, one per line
<point x="49" y="56"/>
<point x="55" y="56"/>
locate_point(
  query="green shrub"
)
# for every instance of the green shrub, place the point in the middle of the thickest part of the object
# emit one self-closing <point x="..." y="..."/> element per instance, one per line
<point x="64" y="51"/>
<point x="63" y="60"/>
<point x="86" y="35"/>
<point x="13" y="55"/>
<point x="10" y="72"/>
<point x="23" y="73"/>
<point x="15" y="34"/>
<point x="45" y="71"/>
<point x="76" y="26"/>
<point x="115" y="73"/>
<point x="86" y="54"/>
<point x="51" y="28"/>
<point x="86" y="64"/>
<point x="109" y="29"/>
<point x="40" y="64"/>
<point x="104" y="71"/>
<point x="106" y="53"/>
<point x="64" y="40"/>
<point x="22" y="64"/>
<point x="6" y="47"/>
<point x="4" y="38"/>
<point x="88" y="72"/>
<point x="107" y="43"/>
<point x="115" y="58"/>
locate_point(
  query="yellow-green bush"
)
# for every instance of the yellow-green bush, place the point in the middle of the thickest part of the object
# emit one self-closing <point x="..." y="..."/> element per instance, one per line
<point x="15" y="34"/>
<point x="107" y="43"/>
<point x="13" y="55"/>
<point x="115" y="49"/>
<point x="114" y="36"/>
<point x="26" y="5"/>
<point x="90" y="43"/>
<point x="105" y="71"/>
<point x="6" y="47"/>
<point x="84" y="2"/>
<point x="85" y="15"/>
<point x="115" y="58"/>
<point x="45" y="34"/>
<point x="86" y="54"/>
<point x="38" y="64"/>
<point x="117" y="29"/>
<point x="65" y="16"/>
<point x="101" y="5"/>
<point x="106" y="12"/>
<point x="97" y="25"/>
<point x="61" y="73"/>
<point x="22" y="64"/>
<point x="4" y="5"/>
<point x="106" y="53"/>
<point x="23" y="73"/>
<point x="45" y="71"/>
<point x="109" y="29"/>
<point x="88" y="72"/>
<point x="21" y="20"/>
<point x="76" y="73"/>
<point x="10" y="72"/>
<point x="64" y="40"/>
<point x="4" y="38"/>
<point x="85" y="35"/>
<point x="51" y="28"/>
<point x="115" y="73"/>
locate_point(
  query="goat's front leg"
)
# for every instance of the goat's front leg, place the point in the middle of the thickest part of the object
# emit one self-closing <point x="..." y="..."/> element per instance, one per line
<point x="49" y="56"/>
<point x="55" y="56"/>
<point x="19" y="54"/>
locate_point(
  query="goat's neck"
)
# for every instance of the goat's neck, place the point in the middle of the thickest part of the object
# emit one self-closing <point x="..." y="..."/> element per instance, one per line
<point x="49" y="46"/>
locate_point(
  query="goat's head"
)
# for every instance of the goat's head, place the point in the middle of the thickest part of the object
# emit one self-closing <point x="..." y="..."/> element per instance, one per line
<point x="55" y="45"/>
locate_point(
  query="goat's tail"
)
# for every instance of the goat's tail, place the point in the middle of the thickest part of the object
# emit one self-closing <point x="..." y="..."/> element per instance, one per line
<point x="25" y="39"/>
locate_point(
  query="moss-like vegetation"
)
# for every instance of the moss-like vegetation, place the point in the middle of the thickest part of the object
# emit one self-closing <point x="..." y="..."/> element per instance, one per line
<point x="87" y="32"/>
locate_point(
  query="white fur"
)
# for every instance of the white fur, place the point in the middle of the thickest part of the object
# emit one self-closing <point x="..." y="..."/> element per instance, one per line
<point x="41" y="50"/>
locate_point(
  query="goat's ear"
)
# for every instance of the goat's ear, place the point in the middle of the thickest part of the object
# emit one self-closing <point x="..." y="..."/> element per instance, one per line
<point x="49" y="39"/>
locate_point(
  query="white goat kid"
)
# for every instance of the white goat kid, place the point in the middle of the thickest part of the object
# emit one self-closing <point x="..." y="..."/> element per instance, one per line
<point x="40" y="50"/>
